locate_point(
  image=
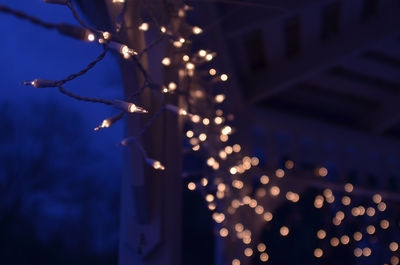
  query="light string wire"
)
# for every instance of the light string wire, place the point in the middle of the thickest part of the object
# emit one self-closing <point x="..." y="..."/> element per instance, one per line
<point x="226" y="190"/>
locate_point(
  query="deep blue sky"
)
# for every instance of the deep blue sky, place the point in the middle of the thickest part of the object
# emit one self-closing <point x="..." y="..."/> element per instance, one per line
<point x="28" y="51"/>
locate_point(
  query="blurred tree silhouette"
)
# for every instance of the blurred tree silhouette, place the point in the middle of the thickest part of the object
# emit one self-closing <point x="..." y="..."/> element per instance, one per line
<point x="59" y="204"/>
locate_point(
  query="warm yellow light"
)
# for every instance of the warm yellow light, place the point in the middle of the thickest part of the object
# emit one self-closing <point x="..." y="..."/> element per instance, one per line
<point x="158" y="165"/>
<point x="381" y="206"/>
<point x="145" y="27"/>
<point x="259" y="209"/>
<point x="223" y="232"/>
<point x="367" y="252"/>
<point x="370" y="211"/>
<point x="191" y="186"/>
<point x="238" y="184"/>
<point x="212" y="72"/>
<point x="261" y="247"/>
<point x="177" y="44"/>
<point x="322" y="172"/>
<point x="358" y="252"/>
<point x="393" y="246"/>
<point x="264" y="179"/>
<point x="235" y="262"/>
<point x="348" y="187"/>
<point x="345" y="239"/>
<point x="209" y="198"/>
<point x="202" y="137"/>
<point x="274" y="191"/>
<point x="377" y="198"/>
<point x="91" y="37"/>
<point x="236" y="148"/>
<point x="190" y="66"/>
<point x="384" y="224"/>
<point x="357" y="236"/>
<point x="209" y="57"/>
<point x="212" y="206"/>
<point x="279" y="173"/>
<point x="189" y="134"/>
<point x="202" y="53"/>
<point x="268" y="216"/>
<point x="204" y="182"/>
<point x="318" y="253"/>
<point x="233" y="170"/>
<point x="166" y="61"/>
<point x="334" y="242"/>
<point x="197" y="30"/>
<point x="394" y="260"/>
<point x="206" y="121"/>
<point x="340" y="215"/>
<point x="321" y="234"/>
<point x="346" y="200"/>
<point x="289" y="164"/>
<point x="264" y="257"/>
<point x="218" y="120"/>
<point x="248" y="252"/>
<point x="284" y="231"/>
<point x="220" y="98"/>
<point x="224" y="77"/>
<point x="239" y="227"/>
<point x="226" y="130"/>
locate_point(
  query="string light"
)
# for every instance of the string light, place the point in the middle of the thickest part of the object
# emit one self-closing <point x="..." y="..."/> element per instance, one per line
<point x="128" y="107"/>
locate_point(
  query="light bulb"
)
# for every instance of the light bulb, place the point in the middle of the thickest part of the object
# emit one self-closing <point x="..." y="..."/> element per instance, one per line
<point x="128" y="107"/>
<point x="155" y="164"/>
<point x="144" y="26"/>
<point x="40" y="83"/>
<point x="108" y="122"/>
<point x="197" y="30"/>
<point x="166" y="61"/>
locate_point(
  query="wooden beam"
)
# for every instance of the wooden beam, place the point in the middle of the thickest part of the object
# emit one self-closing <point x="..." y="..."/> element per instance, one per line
<point x="352" y="42"/>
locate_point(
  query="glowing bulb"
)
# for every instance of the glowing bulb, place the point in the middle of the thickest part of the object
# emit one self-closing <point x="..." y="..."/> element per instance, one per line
<point x="261" y="247"/>
<point x="357" y="236"/>
<point x="206" y="121"/>
<point x="268" y="216"/>
<point x="367" y="252"/>
<point x="321" y="234"/>
<point x="91" y="37"/>
<point x="223" y="232"/>
<point x="177" y="44"/>
<point x="322" y="172"/>
<point x="191" y="186"/>
<point x="393" y="246"/>
<point x="279" y="173"/>
<point x="197" y="30"/>
<point x="358" y="252"/>
<point x="196" y="118"/>
<point x="163" y="29"/>
<point x="344" y="239"/>
<point x="274" y="191"/>
<point x="235" y="262"/>
<point x="172" y="86"/>
<point x="248" y="252"/>
<point x="264" y="179"/>
<point x="224" y="77"/>
<point x="209" y="57"/>
<point x="348" y="187"/>
<point x="212" y="72"/>
<point x="219" y="98"/>
<point x="106" y="35"/>
<point x="334" y="242"/>
<point x="190" y="66"/>
<point x="202" y="53"/>
<point x="264" y="257"/>
<point x="189" y="134"/>
<point x="202" y="137"/>
<point x="155" y="164"/>
<point x="318" y="253"/>
<point x="128" y="107"/>
<point x="166" y="61"/>
<point x="236" y="148"/>
<point x="284" y="231"/>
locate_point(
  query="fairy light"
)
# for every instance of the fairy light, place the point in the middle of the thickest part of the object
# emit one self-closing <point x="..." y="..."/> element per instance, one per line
<point x="197" y="30"/>
<point x="155" y="164"/>
<point x="224" y="77"/>
<point x="235" y="262"/>
<point x="279" y="173"/>
<point x="206" y="121"/>
<point x="367" y="251"/>
<point x="166" y="61"/>
<point x="334" y="242"/>
<point x="264" y="179"/>
<point x="189" y="134"/>
<point x="202" y="53"/>
<point x="322" y="172"/>
<point x="377" y="198"/>
<point x="358" y="252"/>
<point x="264" y="257"/>
<point x="393" y="246"/>
<point x="268" y="216"/>
<point x="91" y="37"/>
<point x="357" y="236"/>
<point x="219" y="98"/>
<point x="209" y="57"/>
<point x="108" y="122"/>
<point x="191" y="186"/>
<point x="384" y="224"/>
<point x="190" y="66"/>
<point x="284" y="231"/>
<point x="348" y="187"/>
<point x="223" y="232"/>
<point x="212" y="72"/>
<point x="321" y="234"/>
<point x="318" y="253"/>
<point x="345" y="239"/>
<point x="128" y="107"/>
<point x="163" y="29"/>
